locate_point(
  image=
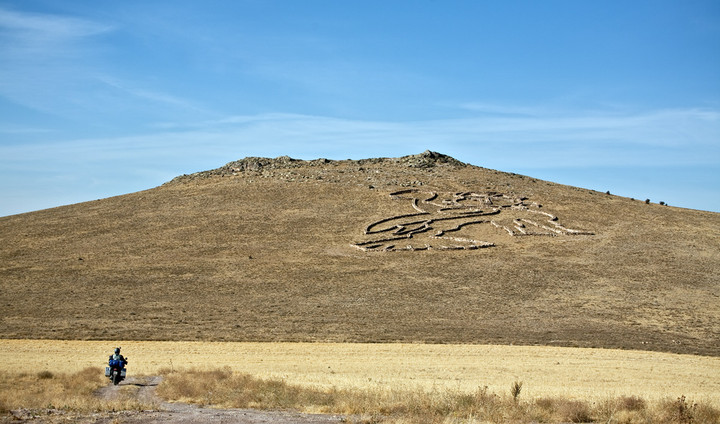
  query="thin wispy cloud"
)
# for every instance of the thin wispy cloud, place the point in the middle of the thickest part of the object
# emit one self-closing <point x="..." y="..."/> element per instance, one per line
<point x="44" y="57"/>
<point x="14" y="129"/>
<point x="686" y="136"/>
<point x="36" y="27"/>
<point x="56" y="65"/>
<point x="150" y="95"/>
<point x="505" y="143"/>
<point x="693" y="129"/>
<point x="129" y="94"/>
<point x="497" y="109"/>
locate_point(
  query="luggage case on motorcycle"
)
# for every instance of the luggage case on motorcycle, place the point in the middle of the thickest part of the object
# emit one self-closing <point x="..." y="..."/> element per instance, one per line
<point x="107" y="371"/>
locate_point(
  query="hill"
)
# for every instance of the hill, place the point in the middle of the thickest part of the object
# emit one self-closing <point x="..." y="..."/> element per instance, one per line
<point x="422" y="248"/>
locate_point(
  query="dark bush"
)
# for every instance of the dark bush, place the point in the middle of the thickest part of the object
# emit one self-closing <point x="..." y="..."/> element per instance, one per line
<point x="45" y="375"/>
<point x="632" y="403"/>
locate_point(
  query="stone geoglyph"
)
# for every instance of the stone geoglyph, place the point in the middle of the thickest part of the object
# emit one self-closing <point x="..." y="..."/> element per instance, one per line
<point x="441" y="217"/>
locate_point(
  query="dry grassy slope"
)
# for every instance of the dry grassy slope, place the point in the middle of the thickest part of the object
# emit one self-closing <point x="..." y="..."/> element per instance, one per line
<point x="265" y="255"/>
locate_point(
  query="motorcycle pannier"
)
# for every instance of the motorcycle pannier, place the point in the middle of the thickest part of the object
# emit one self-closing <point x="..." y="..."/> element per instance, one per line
<point x="107" y="371"/>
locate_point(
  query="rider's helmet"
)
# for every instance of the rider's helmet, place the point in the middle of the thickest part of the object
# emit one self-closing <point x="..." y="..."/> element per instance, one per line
<point x="117" y="350"/>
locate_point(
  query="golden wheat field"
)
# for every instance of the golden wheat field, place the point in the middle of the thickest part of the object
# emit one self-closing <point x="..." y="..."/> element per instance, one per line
<point x="544" y="371"/>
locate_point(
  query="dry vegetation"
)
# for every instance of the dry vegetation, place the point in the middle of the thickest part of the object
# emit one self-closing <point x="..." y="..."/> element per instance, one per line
<point x="223" y="388"/>
<point x="260" y="250"/>
<point x="49" y="397"/>
<point x="61" y="392"/>
<point x="546" y="372"/>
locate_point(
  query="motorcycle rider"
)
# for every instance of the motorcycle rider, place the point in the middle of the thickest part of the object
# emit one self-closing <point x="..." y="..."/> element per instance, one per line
<point x="118" y="357"/>
<point x="116" y="367"/>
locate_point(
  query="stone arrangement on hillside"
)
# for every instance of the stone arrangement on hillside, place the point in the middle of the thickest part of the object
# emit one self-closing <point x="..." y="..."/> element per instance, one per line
<point x="439" y="219"/>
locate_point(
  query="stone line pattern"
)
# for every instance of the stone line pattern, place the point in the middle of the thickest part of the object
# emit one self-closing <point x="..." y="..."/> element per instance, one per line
<point x="437" y="215"/>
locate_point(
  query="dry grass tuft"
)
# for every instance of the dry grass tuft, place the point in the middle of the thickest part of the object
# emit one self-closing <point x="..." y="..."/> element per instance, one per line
<point x="44" y="375"/>
<point x="223" y="388"/>
<point x="75" y="392"/>
<point x="632" y="403"/>
<point x="684" y="411"/>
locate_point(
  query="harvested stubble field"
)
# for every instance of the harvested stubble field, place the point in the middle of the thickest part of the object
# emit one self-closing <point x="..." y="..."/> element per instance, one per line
<point x="572" y="373"/>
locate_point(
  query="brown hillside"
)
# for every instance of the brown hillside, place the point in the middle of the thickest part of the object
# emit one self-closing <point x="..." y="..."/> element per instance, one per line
<point x="417" y="249"/>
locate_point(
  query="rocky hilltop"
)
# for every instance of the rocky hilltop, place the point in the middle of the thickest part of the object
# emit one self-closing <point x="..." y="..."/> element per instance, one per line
<point x="271" y="167"/>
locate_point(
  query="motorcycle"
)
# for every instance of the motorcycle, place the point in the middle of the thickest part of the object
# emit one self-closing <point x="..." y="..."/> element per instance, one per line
<point x="116" y="370"/>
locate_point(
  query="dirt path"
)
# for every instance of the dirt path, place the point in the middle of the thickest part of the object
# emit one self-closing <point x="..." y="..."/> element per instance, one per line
<point x="188" y="413"/>
<point x="143" y="390"/>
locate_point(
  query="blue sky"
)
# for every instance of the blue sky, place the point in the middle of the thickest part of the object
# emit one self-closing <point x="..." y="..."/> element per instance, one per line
<point x="102" y="98"/>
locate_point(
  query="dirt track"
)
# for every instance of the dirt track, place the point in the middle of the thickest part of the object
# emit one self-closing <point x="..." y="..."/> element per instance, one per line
<point x="166" y="412"/>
